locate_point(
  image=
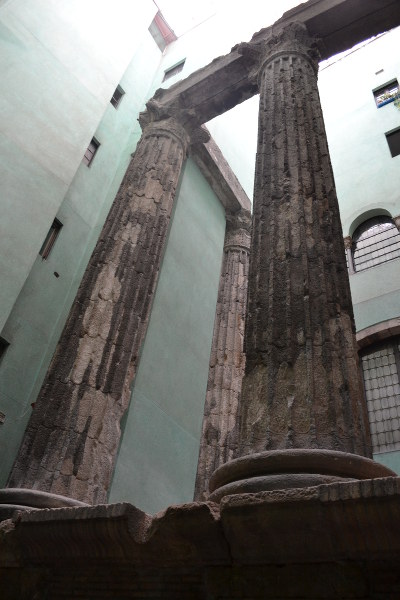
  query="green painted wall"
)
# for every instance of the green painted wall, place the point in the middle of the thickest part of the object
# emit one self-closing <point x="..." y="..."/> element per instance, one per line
<point x="40" y="309"/>
<point x="367" y="177"/>
<point x="59" y="65"/>
<point x="157" y="460"/>
<point x="390" y="459"/>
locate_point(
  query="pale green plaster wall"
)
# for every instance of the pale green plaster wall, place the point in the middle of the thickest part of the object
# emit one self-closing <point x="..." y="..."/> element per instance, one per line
<point x="39" y="312"/>
<point x="390" y="459"/>
<point x="158" y="456"/>
<point x="366" y="175"/>
<point x="59" y="65"/>
<point x="375" y="294"/>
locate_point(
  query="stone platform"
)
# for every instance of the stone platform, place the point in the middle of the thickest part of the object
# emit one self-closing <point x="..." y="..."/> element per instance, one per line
<point x="340" y="540"/>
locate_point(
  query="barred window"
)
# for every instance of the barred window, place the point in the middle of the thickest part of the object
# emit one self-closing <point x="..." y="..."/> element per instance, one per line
<point x="374" y="242"/>
<point x="381" y="369"/>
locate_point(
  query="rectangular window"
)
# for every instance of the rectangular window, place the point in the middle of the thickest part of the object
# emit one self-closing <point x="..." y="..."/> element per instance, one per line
<point x="3" y="347"/>
<point x="90" y="152"/>
<point x="386" y="93"/>
<point x="393" y="139"/>
<point x="117" y="96"/>
<point x="173" y="70"/>
<point x="50" y="239"/>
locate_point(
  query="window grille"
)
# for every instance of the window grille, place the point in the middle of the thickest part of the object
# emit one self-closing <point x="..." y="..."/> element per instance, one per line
<point x="381" y="368"/>
<point x="374" y="242"/>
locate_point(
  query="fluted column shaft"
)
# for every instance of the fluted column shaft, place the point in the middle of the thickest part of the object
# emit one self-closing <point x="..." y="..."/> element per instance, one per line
<point x="72" y="438"/>
<point x="302" y="387"/>
<point x="219" y="437"/>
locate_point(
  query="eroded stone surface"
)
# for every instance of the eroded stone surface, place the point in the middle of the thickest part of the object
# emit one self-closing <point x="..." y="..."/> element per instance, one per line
<point x="337" y="541"/>
<point x="219" y="437"/>
<point x="71" y="440"/>
<point x="302" y="387"/>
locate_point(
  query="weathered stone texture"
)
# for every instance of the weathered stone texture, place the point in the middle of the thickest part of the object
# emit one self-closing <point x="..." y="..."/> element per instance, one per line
<point x="302" y="387"/>
<point x="73" y="435"/>
<point x="219" y="438"/>
<point x="337" y="541"/>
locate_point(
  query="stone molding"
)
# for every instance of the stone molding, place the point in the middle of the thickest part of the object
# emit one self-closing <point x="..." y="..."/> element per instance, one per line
<point x="332" y="541"/>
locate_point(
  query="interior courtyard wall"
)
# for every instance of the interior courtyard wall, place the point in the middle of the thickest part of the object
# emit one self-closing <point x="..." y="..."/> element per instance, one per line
<point x="59" y="66"/>
<point x="157" y="460"/>
<point x="40" y="309"/>
<point x="375" y="298"/>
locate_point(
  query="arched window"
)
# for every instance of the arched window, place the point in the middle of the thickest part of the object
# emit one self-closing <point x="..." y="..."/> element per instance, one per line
<point x="374" y="242"/>
<point x="381" y="370"/>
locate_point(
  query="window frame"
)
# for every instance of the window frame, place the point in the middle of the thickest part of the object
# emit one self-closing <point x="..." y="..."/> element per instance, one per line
<point x="174" y="70"/>
<point x="394" y="147"/>
<point x="375" y="252"/>
<point x="116" y="101"/>
<point x="388" y="92"/>
<point x="87" y="160"/>
<point x="50" y="239"/>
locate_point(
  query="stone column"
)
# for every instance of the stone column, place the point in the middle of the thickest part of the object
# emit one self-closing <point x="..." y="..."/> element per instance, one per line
<point x="219" y="437"/>
<point x="348" y="246"/>
<point x="72" y="438"/>
<point x="303" y="418"/>
<point x="397" y="221"/>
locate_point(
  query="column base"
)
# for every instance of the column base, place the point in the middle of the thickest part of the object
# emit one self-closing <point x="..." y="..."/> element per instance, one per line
<point x="21" y="499"/>
<point x="295" y="468"/>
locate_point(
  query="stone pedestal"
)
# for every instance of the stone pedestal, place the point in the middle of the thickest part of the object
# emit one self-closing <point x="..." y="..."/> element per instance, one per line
<point x="302" y="388"/>
<point x="219" y="438"/>
<point x="72" y="438"/>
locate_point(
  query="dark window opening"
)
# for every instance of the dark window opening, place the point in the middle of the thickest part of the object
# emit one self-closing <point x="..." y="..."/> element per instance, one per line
<point x="386" y="93"/>
<point x="173" y="70"/>
<point x="3" y="347"/>
<point x="50" y="239"/>
<point x="117" y="96"/>
<point x="393" y="139"/>
<point x="374" y="242"/>
<point x="90" y="152"/>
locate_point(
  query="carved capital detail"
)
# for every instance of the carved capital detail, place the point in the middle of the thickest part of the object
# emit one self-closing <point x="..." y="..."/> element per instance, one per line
<point x="181" y="124"/>
<point x="167" y="126"/>
<point x="291" y="40"/>
<point x="238" y="231"/>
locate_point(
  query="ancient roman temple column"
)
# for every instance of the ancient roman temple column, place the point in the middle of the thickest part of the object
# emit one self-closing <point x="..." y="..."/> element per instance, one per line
<point x="219" y="437"/>
<point x="73" y="435"/>
<point x="303" y="418"/>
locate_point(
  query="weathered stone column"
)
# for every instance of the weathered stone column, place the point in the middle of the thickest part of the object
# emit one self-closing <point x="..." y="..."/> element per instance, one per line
<point x="397" y="221"/>
<point x="219" y="437"/>
<point x="72" y="438"/>
<point x="303" y="418"/>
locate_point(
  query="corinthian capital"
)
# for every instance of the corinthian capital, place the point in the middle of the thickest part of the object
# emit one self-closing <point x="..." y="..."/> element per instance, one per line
<point x="181" y="124"/>
<point x="293" y="39"/>
<point x="238" y="231"/>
